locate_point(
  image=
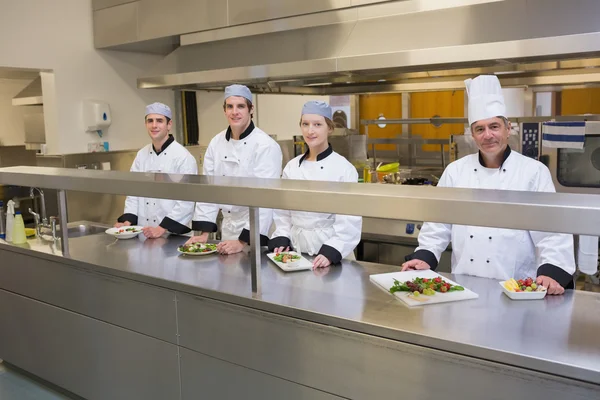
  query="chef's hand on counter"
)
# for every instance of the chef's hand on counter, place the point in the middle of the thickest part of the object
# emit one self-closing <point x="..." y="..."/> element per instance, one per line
<point x="230" y="246"/>
<point x="550" y="284"/>
<point x="153" y="233"/>
<point x="121" y="224"/>
<point x="415" y="264"/>
<point x="321" y="261"/>
<point x="203" y="238"/>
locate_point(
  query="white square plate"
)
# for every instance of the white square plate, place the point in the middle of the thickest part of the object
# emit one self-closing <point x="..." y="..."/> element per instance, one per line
<point x="523" y="295"/>
<point x="300" y="265"/>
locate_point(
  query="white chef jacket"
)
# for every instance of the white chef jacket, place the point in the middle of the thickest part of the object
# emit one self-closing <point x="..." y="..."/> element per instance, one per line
<point x="494" y="252"/>
<point x="172" y="215"/>
<point x="256" y="155"/>
<point x="333" y="235"/>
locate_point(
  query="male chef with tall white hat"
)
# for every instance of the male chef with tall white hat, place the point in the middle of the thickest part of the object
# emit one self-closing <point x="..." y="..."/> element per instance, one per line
<point x="241" y="150"/>
<point x="164" y="155"/>
<point x="492" y="252"/>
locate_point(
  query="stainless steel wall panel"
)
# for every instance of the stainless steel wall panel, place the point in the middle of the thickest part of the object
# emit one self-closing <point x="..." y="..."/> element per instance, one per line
<point x="132" y="305"/>
<point x="90" y="358"/>
<point x="101" y="4"/>
<point x="244" y="11"/>
<point x="349" y="364"/>
<point x="161" y="18"/>
<point x="116" y="25"/>
<point x="209" y="378"/>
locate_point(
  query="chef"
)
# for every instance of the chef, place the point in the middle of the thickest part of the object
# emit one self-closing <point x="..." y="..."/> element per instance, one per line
<point x="241" y="150"/>
<point x="490" y="252"/>
<point x="330" y="237"/>
<point x="157" y="216"/>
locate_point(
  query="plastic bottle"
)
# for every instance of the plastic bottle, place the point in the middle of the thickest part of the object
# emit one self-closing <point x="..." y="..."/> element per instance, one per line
<point x="18" y="236"/>
<point x="10" y="220"/>
<point x="2" y="231"/>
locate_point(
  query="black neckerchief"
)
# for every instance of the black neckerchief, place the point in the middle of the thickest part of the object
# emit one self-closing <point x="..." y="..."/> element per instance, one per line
<point x="244" y="134"/>
<point x="166" y="144"/>
<point x="504" y="157"/>
<point x="320" y="157"/>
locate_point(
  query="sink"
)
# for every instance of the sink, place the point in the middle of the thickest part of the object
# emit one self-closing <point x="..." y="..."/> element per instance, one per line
<point x="77" y="229"/>
<point x="82" y="229"/>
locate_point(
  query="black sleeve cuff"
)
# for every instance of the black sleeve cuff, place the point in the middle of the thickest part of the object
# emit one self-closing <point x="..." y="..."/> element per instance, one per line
<point x="558" y="274"/>
<point x="331" y="253"/>
<point x="204" y="226"/>
<point x="173" y="226"/>
<point x="245" y="237"/>
<point x="131" y="218"/>
<point x="424" y="255"/>
<point x="279" y="241"/>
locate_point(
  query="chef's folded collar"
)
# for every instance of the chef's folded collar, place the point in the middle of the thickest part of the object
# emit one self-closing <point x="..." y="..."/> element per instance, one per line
<point x="552" y="271"/>
<point x="245" y="237"/>
<point x="170" y="140"/>
<point x="244" y="134"/>
<point x="504" y="157"/>
<point x="131" y="218"/>
<point x="174" y="226"/>
<point x="280" y="241"/>
<point x="331" y="253"/>
<point x="204" y="226"/>
<point x="321" y="156"/>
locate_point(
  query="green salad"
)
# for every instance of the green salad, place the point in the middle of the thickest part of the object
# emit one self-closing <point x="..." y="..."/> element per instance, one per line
<point x="425" y="286"/>
<point x="198" y="248"/>
<point x="286" y="257"/>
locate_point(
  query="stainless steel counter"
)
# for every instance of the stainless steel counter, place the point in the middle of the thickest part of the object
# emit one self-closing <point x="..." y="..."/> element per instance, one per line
<point x="559" y="335"/>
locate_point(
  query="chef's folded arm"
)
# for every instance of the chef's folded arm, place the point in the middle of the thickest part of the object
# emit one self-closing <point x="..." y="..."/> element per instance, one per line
<point x="347" y="232"/>
<point x="205" y="217"/>
<point x="433" y="241"/>
<point x="556" y="256"/>
<point x="131" y="211"/>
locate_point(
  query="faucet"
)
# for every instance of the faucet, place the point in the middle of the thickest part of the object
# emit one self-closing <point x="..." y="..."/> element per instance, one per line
<point x="41" y="220"/>
<point x="42" y="205"/>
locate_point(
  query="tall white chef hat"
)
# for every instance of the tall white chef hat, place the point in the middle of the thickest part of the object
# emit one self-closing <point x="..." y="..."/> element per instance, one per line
<point x="159" y="108"/>
<point x="319" y="108"/>
<point x="238" y="90"/>
<point x="485" y="98"/>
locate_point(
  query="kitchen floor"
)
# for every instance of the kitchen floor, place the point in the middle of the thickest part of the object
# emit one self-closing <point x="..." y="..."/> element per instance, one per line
<point x="17" y="386"/>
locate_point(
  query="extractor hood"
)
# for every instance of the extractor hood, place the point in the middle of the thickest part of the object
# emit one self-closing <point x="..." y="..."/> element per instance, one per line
<point x="31" y="95"/>
<point x="394" y="46"/>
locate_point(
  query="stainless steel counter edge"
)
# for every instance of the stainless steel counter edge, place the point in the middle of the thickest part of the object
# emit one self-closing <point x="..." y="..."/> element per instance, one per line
<point x="439" y="343"/>
<point x="548" y="212"/>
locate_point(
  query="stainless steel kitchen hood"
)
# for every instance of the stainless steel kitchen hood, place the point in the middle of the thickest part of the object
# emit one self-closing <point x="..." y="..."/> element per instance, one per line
<point x="31" y="95"/>
<point x="394" y="46"/>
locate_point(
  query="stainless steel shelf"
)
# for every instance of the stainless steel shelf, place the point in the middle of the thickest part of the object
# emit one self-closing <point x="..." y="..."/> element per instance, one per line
<point x="550" y="212"/>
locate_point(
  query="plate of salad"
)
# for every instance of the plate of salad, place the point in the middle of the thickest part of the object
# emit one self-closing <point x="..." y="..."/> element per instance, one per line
<point x="197" y="249"/>
<point x="290" y="261"/>
<point x="422" y="287"/>
<point x="125" y="232"/>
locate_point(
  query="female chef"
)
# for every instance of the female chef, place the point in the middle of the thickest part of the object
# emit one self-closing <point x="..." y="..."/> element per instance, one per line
<point x="241" y="150"/>
<point x="329" y="236"/>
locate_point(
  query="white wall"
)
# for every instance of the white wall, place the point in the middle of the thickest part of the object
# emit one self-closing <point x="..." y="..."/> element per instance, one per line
<point x="275" y="114"/>
<point x="12" y="132"/>
<point x="57" y="35"/>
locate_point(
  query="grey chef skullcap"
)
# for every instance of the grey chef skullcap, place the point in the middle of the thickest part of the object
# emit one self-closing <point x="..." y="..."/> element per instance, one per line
<point x="319" y="108"/>
<point x="159" y="108"/>
<point x="238" y="90"/>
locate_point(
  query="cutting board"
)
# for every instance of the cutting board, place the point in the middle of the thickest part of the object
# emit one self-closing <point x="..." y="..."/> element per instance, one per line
<point x="386" y="281"/>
